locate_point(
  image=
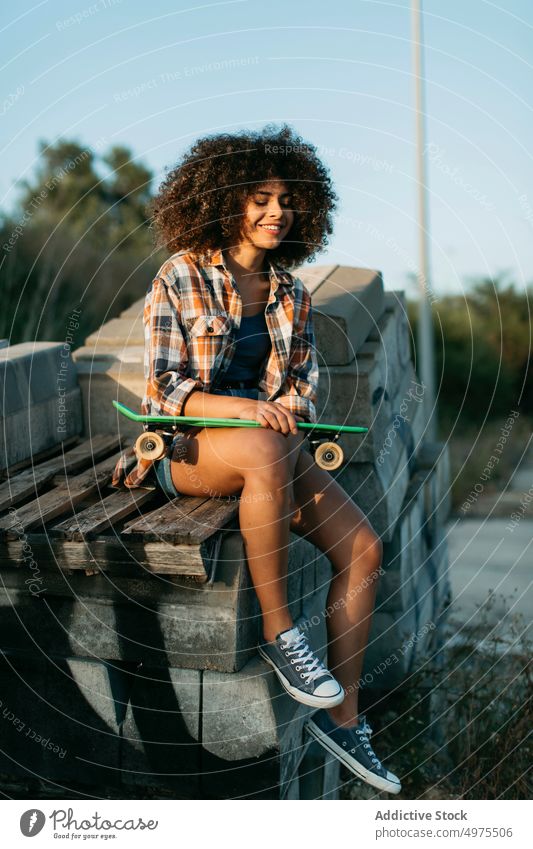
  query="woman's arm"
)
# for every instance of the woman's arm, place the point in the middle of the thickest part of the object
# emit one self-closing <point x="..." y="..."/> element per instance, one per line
<point x="267" y="413"/>
<point x="301" y="384"/>
<point x="168" y="385"/>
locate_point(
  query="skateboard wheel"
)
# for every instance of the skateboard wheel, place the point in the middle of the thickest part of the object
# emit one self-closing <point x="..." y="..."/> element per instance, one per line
<point x="150" y="446"/>
<point x="329" y="456"/>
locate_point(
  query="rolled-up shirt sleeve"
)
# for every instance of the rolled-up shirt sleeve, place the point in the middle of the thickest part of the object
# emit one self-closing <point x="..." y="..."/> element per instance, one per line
<point x="299" y="390"/>
<point x="166" y="355"/>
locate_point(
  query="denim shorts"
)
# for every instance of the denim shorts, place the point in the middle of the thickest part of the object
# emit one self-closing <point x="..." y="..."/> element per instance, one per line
<point x="162" y="467"/>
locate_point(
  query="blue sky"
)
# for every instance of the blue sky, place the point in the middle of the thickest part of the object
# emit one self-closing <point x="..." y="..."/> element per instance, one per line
<point x="155" y="76"/>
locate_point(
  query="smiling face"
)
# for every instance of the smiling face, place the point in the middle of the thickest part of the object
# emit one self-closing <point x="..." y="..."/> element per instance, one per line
<point x="268" y="216"/>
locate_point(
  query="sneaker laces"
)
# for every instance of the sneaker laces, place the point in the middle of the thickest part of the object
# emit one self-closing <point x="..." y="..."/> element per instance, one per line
<point x="365" y="728"/>
<point x="364" y="732"/>
<point x="313" y="668"/>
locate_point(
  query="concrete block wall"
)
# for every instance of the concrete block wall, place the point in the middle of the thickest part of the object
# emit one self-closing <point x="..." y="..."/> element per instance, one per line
<point x="177" y="687"/>
<point x="40" y="401"/>
<point x="398" y="478"/>
<point x="199" y="725"/>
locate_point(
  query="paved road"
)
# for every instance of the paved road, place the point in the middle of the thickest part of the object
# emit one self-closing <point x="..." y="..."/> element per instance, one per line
<point x="496" y="553"/>
<point x="485" y="555"/>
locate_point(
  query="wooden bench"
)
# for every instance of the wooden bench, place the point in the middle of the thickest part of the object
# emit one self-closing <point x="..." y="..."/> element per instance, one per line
<point x="69" y="512"/>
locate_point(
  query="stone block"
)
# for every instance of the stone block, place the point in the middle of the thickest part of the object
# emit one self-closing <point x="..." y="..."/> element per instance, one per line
<point x="387" y="334"/>
<point x="41" y="426"/>
<point x="403" y="553"/>
<point x="439" y="565"/>
<point x="436" y="456"/>
<point x="110" y="376"/>
<point x="309" y="587"/>
<point x="396" y="308"/>
<point x="252" y="732"/>
<point x="312" y="276"/>
<point x="135" y="310"/>
<point x="24" y="716"/>
<point x="119" y="333"/>
<point x="410" y="595"/>
<point x="231" y="729"/>
<point x="158" y="621"/>
<point x="88" y="698"/>
<point x="378" y="491"/>
<point x="161" y="731"/>
<point x="407" y="411"/>
<point x="388" y="654"/>
<point x="347" y="303"/>
<point x="319" y="774"/>
<point x="357" y="395"/>
<point x="60" y="719"/>
<point x="323" y="574"/>
<point x="301" y="585"/>
<point x="245" y="714"/>
<point x="32" y="373"/>
<point x="40" y="404"/>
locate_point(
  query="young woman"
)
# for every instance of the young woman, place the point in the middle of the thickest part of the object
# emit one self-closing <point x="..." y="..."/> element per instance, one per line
<point x="229" y="333"/>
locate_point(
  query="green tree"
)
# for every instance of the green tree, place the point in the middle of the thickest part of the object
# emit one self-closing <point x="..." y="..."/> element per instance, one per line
<point x="77" y="238"/>
<point x="483" y="351"/>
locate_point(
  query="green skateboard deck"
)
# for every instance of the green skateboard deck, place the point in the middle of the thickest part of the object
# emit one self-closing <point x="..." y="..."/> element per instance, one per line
<point x="195" y="421"/>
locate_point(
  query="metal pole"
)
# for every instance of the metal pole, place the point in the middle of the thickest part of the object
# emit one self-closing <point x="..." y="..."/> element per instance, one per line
<point x="426" y="351"/>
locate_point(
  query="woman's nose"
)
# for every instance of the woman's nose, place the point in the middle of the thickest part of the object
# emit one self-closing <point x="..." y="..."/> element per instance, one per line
<point x="275" y="210"/>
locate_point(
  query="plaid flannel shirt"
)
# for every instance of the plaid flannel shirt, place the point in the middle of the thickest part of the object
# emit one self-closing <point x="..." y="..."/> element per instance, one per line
<point x="191" y="310"/>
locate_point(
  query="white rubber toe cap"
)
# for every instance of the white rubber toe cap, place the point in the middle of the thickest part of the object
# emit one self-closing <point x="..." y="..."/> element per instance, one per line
<point x="328" y="689"/>
<point x="395" y="780"/>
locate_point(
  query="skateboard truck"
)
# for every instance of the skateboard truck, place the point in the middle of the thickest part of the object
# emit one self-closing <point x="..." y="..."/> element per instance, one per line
<point x="327" y="455"/>
<point x="154" y="442"/>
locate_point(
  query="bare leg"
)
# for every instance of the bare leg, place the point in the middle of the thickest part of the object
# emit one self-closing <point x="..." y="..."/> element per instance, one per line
<point x="260" y="463"/>
<point x="330" y="520"/>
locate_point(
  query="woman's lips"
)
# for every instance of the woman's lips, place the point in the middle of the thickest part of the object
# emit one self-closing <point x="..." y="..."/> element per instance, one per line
<point x="271" y="228"/>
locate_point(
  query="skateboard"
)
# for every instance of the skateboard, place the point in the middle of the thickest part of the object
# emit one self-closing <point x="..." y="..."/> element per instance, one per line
<point x="154" y="442"/>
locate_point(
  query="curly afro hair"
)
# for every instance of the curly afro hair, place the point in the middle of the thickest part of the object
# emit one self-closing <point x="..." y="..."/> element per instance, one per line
<point x="200" y="204"/>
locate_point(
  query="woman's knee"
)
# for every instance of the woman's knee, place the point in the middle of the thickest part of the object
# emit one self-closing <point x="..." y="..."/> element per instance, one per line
<point x="268" y="452"/>
<point x="226" y="461"/>
<point x="368" y="550"/>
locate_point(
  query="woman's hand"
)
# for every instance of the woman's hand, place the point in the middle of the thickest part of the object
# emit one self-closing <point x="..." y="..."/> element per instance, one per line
<point x="271" y="415"/>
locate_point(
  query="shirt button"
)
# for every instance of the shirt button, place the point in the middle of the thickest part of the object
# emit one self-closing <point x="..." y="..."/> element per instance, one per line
<point x="209" y="329"/>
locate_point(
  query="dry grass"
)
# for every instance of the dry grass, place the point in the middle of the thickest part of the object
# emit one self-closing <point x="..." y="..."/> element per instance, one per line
<point x="462" y="729"/>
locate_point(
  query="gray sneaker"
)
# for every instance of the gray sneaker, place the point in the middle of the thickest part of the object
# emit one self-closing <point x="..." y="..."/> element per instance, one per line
<point x="352" y="747"/>
<point x="300" y="672"/>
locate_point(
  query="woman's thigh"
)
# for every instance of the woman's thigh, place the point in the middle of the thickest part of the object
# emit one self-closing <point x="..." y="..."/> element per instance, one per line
<point x="216" y="461"/>
<point x="324" y="513"/>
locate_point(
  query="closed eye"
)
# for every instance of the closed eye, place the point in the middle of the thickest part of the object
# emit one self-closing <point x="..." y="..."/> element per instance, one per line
<point x="264" y="203"/>
<point x="286" y="203"/>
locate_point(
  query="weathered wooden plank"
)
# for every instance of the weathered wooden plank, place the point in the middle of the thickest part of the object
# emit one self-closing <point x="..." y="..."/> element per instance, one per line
<point x="23" y="486"/>
<point x="210" y="518"/>
<point x="185" y="520"/>
<point x="162" y="520"/>
<point x="29" y="483"/>
<point x="106" y="512"/>
<point x="39" y="457"/>
<point x="60" y="500"/>
<point x="103" y="554"/>
<point x="82" y="456"/>
<point x="119" y="582"/>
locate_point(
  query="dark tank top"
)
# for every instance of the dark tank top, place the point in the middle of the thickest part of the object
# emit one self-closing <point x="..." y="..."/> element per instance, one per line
<point x="252" y="341"/>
